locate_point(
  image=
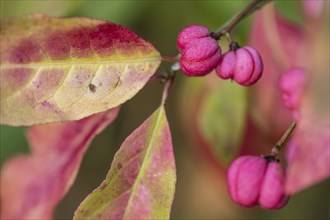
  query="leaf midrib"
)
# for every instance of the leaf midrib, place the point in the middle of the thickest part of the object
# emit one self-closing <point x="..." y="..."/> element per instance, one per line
<point x="36" y="65"/>
<point x="155" y="128"/>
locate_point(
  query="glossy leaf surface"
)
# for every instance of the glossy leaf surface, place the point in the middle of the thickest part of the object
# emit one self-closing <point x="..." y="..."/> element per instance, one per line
<point x="32" y="186"/>
<point x="141" y="181"/>
<point x="62" y="69"/>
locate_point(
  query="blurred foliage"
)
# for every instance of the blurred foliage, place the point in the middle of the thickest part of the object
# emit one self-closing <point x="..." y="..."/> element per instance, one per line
<point x="201" y="189"/>
<point x="226" y="132"/>
<point x="12" y="141"/>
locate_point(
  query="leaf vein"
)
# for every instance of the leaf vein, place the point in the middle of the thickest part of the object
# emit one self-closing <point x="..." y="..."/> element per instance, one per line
<point x="155" y="128"/>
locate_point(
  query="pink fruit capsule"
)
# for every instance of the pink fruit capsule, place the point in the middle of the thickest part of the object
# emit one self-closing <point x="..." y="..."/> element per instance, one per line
<point x="272" y="194"/>
<point x="191" y="33"/>
<point x="200" y="52"/>
<point x="200" y="57"/>
<point x="254" y="180"/>
<point x="292" y="83"/>
<point x="245" y="177"/>
<point x="244" y="65"/>
<point x="313" y="8"/>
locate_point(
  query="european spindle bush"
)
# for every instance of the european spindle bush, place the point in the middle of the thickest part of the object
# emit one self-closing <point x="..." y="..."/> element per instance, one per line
<point x="255" y="110"/>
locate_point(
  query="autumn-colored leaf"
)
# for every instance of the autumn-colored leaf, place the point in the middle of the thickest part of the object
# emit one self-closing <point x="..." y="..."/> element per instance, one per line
<point x="282" y="45"/>
<point x="308" y="153"/>
<point x="141" y="181"/>
<point x="63" y="69"/>
<point x="31" y="186"/>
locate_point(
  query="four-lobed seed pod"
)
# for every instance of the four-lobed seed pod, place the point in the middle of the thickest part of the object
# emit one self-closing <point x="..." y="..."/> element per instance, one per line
<point x="244" y="65"/>
<point x="200" y="53"/>
<point x="254" y="180"/>
<point x="292" y="84"/>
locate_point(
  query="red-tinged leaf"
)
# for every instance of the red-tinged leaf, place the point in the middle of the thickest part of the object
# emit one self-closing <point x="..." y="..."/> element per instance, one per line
<point x="141" y="181"/>
<point x="308" y="156"/>
<point x="282" y="45"/>
<point x="31" y="186"/>
<point x="308" y="153"/>
<point x="63" y="69"/>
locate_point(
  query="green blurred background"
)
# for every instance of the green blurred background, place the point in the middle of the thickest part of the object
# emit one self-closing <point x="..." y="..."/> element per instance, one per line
<point x="201" y="190"/>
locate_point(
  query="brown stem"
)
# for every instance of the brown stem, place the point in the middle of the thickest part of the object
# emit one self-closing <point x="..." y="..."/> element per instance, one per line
<point x="252" y="6"/>
<point x="170" y="58"/>
<point x="280" y="143"/>
<point x="167" y="88"/>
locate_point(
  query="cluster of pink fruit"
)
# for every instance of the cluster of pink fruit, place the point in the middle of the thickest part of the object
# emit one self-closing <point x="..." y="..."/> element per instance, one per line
<point x="252" y="180"/>
<point x="200" y="54"/>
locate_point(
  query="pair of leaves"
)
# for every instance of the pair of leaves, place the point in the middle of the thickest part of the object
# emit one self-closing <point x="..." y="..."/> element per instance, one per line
<point x="140" y="183"/>
<point x="55" y="70"/>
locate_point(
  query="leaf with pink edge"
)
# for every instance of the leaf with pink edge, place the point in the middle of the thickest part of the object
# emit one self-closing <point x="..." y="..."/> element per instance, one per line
<point x="64" y="69"/>
<point x="282" y="45"/>
<point x="141" y="181"/>
<point x="31" y="186"/>
<point x="308" y="153"/>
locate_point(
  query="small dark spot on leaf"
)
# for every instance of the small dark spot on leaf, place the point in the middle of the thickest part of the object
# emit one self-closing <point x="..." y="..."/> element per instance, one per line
<point x="92" y="87"/>
<point x="119" y="166"/>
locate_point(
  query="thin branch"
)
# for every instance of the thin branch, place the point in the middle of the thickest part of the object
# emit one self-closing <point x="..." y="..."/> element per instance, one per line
<point x="170" y="58"/>
<point x="167" y="88"/>
<point x="285" y="136"/>
<point x="251" y="7"/>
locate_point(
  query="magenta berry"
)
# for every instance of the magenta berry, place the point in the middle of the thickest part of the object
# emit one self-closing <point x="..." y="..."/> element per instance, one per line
<point x="200" y="57"/>
<point x="254" y="180"/>
<point x="200" y="53"/>
<point x="191" y="33"/>
<point x="245" y="177"/>
<point x="292" y="83"/>
<point x="272" y="191"/>
<point x="244" y="65"/>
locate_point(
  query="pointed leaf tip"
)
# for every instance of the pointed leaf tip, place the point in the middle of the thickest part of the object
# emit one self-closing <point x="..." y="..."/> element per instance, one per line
<point x="141" y="181"/>
<point x="64" y="69"/>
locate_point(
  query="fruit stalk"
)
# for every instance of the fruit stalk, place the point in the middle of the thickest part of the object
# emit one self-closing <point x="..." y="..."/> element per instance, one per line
<point x="282" y="140"/>
<point x="251" y="7"/>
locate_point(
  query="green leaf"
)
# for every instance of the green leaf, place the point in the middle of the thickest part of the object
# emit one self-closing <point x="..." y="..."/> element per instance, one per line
<point x="141" y="181"/>
<point x="64" y="69"/>
<point x="222" y="119"/>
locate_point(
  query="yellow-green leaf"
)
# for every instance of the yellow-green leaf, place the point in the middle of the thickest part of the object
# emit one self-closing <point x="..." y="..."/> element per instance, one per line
<point x="222" y="119"/>
<point x="63" y="69"/>
<point x="141" y="181"/>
